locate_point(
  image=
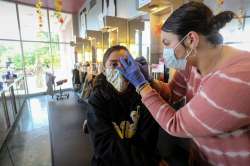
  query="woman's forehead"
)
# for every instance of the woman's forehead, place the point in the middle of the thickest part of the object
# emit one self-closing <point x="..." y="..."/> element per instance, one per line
<point x="169" y="36"/>
<point x="116" y="55"/>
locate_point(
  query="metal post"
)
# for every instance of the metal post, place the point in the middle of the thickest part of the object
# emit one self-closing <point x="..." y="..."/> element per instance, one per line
<point x="50" y="44"/>
<point x="5" y="108"/>
<point x="22" y="50"/>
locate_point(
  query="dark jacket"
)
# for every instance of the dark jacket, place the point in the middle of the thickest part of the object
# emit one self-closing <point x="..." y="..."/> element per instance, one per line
<point x="109" y="148"/>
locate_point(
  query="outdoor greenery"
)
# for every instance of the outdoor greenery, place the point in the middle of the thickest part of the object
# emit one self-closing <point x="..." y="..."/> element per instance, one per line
<point x="34" y="53"/>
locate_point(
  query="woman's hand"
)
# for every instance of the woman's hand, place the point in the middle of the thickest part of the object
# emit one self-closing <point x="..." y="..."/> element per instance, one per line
<point x="131" y="71"/>
<point x="143" y="65"/>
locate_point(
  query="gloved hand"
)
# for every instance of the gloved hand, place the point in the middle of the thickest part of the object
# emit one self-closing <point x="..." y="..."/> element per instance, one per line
<point x="145" y="72"/>
<point x="132" y="72"/>
<point x="143" y="65"/>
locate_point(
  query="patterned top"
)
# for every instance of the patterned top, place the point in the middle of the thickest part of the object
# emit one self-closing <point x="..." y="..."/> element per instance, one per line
<point x="217" y="113"/>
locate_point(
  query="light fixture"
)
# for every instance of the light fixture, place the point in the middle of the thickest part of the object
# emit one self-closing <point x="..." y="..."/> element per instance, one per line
<point x="153" y="7"/>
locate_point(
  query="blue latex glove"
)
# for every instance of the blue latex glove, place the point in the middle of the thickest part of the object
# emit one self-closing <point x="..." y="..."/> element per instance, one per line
<point x="143" y="65"/>
<point x="144" y="71"/>
<point x="131" y="71"/>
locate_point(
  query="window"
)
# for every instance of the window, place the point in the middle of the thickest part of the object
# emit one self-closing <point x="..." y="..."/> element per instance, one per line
<point x="10" y="57"/>
<point x="236" y="34"/>
<point x="146" y="40"/>
<point x="36" y="60"/>
<point x="63" y="62"/>
<point x="41" y="53"/>
<point x="30" y="25"/>
<point x="61" y="32"/>
<point x="8" y="17"/>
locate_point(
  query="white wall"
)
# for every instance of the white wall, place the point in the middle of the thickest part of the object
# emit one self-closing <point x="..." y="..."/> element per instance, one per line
<point x="125" y="9"/>
<point x="93" y="16"/>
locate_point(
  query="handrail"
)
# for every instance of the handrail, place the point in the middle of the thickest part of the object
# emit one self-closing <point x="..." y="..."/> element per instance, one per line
<point x="11" y="109"/>
<point x="11" y="84"/>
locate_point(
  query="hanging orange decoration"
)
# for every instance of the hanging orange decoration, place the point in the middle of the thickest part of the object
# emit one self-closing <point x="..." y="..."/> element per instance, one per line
<point x="219" y="7"/>
<point x="58" y="11"/>
<point x="61" y="20"/>
<point x="38" y="6"/>
<point x="220" y="2"/>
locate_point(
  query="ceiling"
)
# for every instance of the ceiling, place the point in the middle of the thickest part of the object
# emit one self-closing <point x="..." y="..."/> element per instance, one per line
<point x="71" y="6"/>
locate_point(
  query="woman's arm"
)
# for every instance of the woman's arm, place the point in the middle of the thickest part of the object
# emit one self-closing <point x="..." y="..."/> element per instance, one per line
<point x="162" y="88"/>
<point x="173" y="91"/>
<point x="220" y="106"/>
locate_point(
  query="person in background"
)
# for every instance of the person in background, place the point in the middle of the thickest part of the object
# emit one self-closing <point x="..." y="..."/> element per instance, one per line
<point x="215" y="78"/>
<point x="39" y="71"/>
<point x="76" y="81"/>
<point x="122" y="130"/>
<point x="50" y="81"/>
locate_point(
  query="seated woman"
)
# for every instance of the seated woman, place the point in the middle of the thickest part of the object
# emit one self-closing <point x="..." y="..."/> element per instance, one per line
<point x="121" y="128"/>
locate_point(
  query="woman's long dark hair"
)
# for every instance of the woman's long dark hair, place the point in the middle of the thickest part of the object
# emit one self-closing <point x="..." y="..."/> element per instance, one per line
<point x="196" y="16"/>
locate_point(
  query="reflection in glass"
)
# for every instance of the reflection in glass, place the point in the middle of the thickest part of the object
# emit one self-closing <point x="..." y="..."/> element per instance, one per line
<point x="21" y="87"/>
<point x="3" y="122"/>
<point x="10" y="108"/>
<point x="5" y="158"/>
<point x="7" y="120"/>
<point x="39" y="115"/>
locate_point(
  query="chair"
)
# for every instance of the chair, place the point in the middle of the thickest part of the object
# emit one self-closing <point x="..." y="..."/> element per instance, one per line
<point x="61" y="95"/>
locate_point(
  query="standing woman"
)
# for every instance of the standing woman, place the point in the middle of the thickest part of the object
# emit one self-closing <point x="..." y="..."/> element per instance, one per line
<point x="214" y="78"/>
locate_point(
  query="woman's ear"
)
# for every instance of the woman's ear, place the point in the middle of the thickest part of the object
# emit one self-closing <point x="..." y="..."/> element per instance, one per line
<point x="192" y="39"/>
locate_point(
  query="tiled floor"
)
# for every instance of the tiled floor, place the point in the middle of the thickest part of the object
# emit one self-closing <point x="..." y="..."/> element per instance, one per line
<point x="29" y="143"/>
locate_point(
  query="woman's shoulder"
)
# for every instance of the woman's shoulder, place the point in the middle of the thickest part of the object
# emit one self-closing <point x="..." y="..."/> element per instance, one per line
<point x="233" y="76"/>
<point x="237" y="65"/>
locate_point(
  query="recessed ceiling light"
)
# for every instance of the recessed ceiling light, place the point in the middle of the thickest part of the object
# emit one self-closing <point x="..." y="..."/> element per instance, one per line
<point x="153" y="7"/>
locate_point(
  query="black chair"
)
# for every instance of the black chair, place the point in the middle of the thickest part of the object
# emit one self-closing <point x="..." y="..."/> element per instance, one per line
<point x="62" y="95"/>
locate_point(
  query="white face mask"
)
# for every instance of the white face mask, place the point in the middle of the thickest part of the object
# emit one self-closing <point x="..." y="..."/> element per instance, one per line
<point x="116" y="79"/>
<point x="170" y="58"/>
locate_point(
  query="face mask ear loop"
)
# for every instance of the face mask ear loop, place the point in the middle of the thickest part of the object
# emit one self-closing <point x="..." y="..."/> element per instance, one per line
<point x="189" y="53"/>
<point x="181" y="41"/>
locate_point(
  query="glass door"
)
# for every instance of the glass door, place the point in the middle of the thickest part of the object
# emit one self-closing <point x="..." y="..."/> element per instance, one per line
<point x="37" y="61"/>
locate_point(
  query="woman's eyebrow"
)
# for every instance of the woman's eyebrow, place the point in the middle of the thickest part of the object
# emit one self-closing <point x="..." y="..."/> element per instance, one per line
<point x="114" y="60"/>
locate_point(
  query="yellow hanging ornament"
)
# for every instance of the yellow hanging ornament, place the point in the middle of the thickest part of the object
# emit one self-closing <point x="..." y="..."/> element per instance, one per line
<point x="58" y="11"/>
<point x="38" y="6"/>
<point x="219" y="7"/>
